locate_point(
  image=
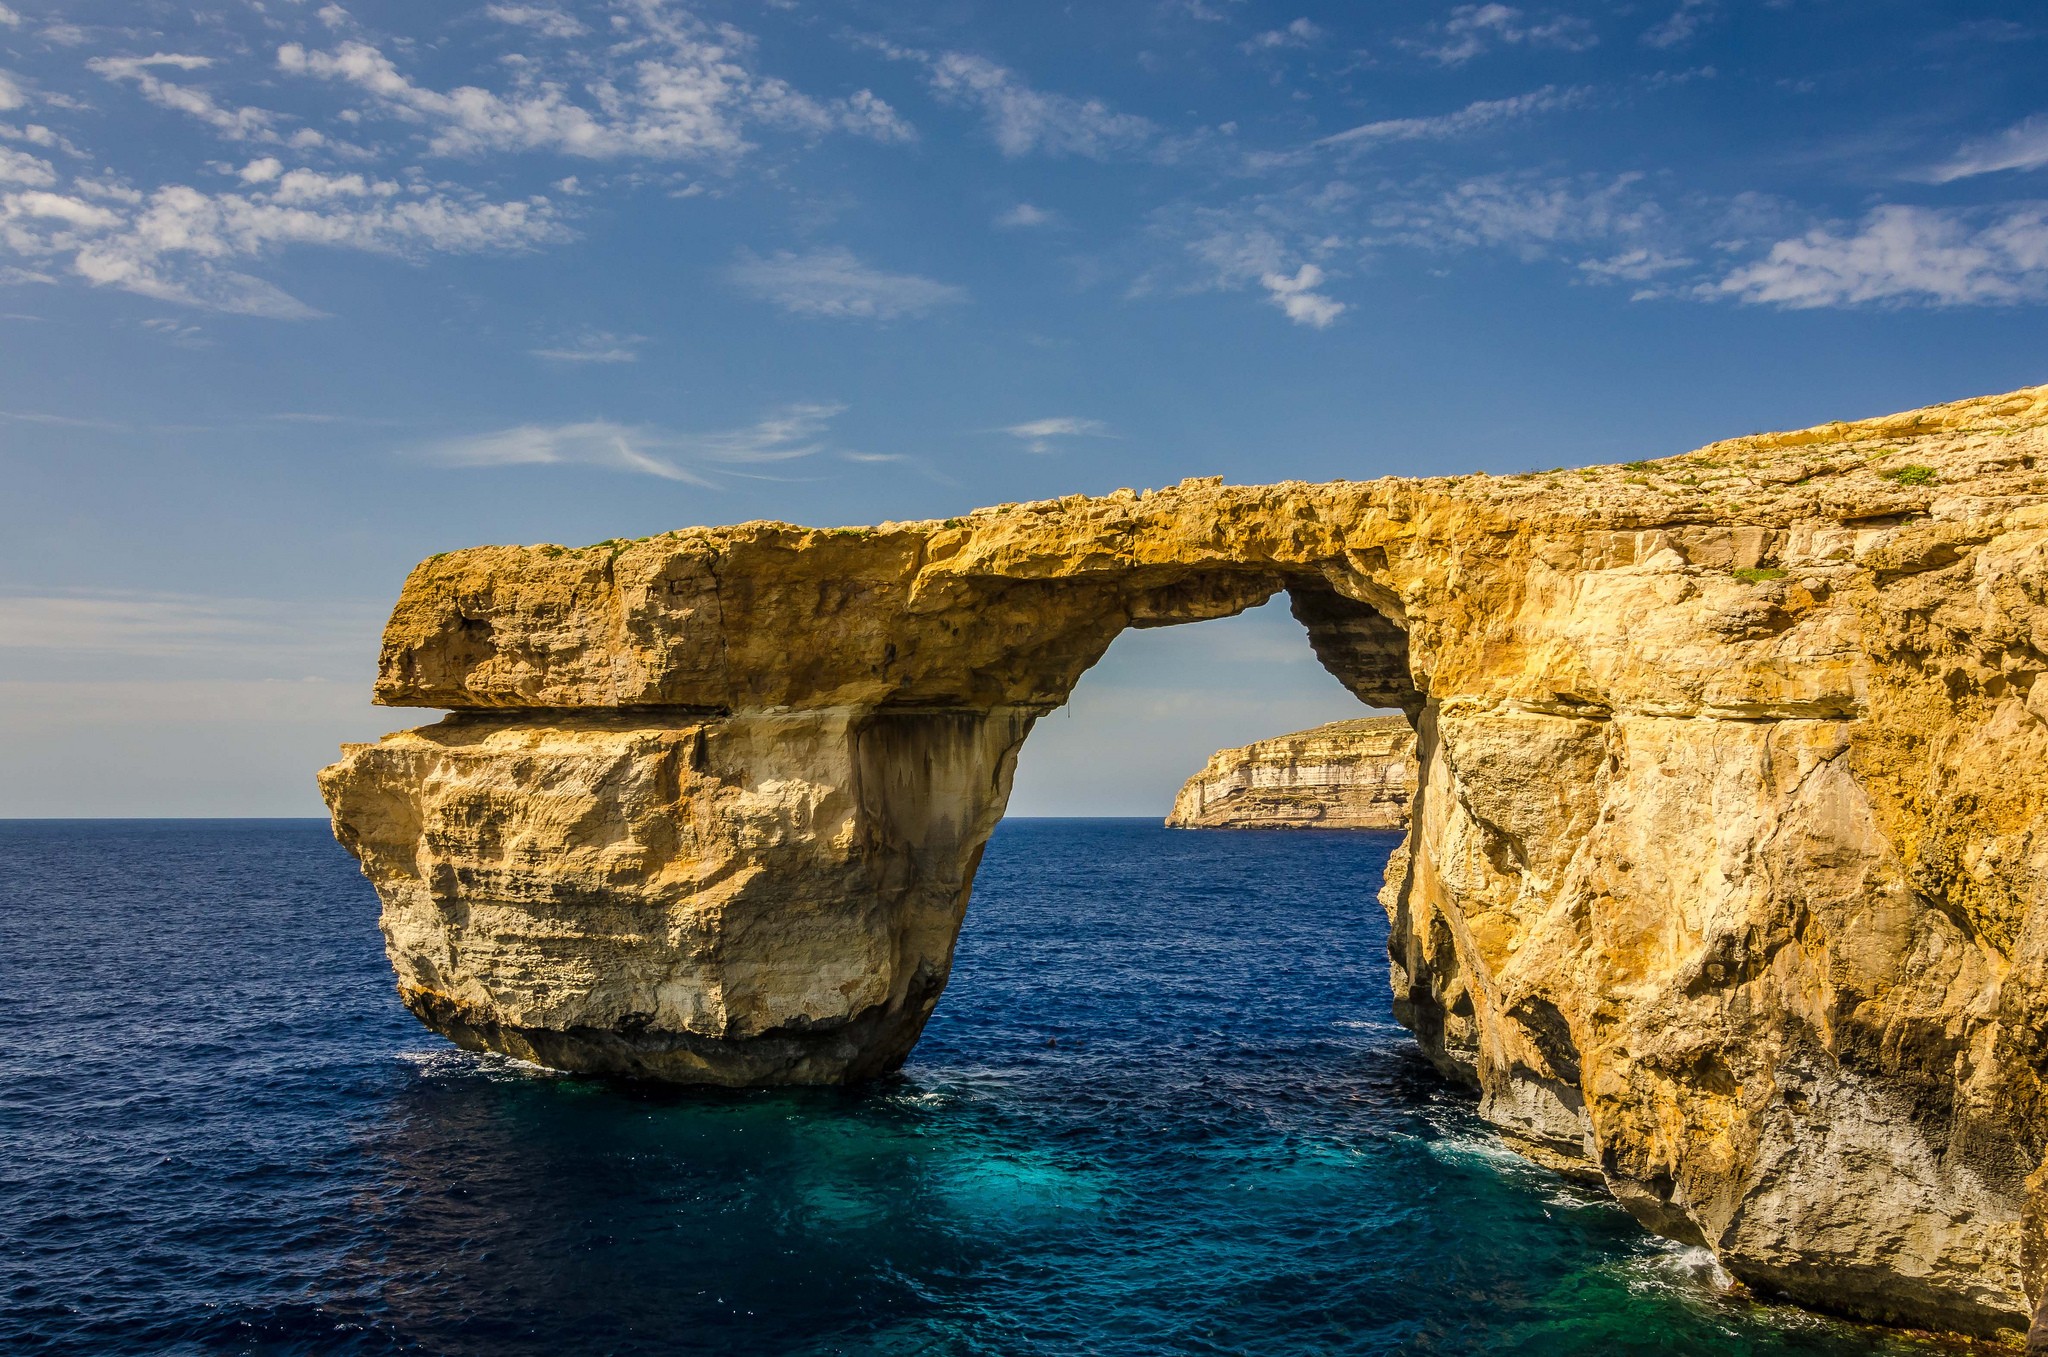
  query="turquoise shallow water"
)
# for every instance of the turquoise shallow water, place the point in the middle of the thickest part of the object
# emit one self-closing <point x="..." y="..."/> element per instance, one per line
<point x="1161" y="1109"/>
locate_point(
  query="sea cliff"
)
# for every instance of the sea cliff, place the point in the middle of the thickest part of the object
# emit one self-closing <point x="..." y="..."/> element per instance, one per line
<point x="1357" y="774"/>
<point x="1724" y="882"/>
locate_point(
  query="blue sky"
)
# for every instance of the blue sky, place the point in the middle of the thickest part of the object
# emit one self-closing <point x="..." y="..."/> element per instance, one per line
<point x="292" y="295"/>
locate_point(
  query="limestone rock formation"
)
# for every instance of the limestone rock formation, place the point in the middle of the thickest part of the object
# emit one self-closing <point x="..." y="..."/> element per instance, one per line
<point x="1724" y="881"/>
<point x="1357" y="774"/>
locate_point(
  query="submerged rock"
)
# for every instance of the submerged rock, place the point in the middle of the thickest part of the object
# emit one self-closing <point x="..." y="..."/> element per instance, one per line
<point x="1724" y="881"/>
<point x="1345" y="775"/>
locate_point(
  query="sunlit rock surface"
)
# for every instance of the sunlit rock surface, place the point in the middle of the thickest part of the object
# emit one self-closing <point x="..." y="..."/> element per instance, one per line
<point x="1724" y="881"/>
<point x="1345" y="775"/>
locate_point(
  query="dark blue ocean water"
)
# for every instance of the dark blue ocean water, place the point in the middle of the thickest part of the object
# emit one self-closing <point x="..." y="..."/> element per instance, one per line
<point x="1161" y="1109"/>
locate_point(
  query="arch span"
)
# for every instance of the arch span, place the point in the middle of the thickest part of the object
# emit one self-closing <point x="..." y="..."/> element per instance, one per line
<point x="747" y="888"/>
<point x="1724" y="883"/>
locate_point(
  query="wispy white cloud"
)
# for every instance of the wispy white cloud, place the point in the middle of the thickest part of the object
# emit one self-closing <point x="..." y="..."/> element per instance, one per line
<point x="182" y="333"/>
<point x="546" y="20"/>
<point x="1634" y="266"/>
<point x="327" y="417"/>
<point x="1902" y="256"/>
<point x="1024" y="120"/>
<point x="61" y="421"/>
<point x="655" y="84"/>
<point x="144" y="624"/>
<point x="236" y="124"/>
<point x="1300" y="33"/>
<point x="183" y="244"/>
<point x="594" y="346"/>
<point x="1024" y="215"/>
<point x="1528" y="214"/>
<point x="159" y="626"/>
<point x="1287" y="244"/>
<point x="833" y="283"/>
<point x="1037" y="435"/>
<point x="1298" y="296"/>
<point x="673" y="89"/>
<point x="866" y="114"/>
<point x="1276" y="243"/>
<point x="1472" y="29"/>
<point x="8" y="18"/>
<point x="794" y="432"/>
<point x="1679" y="26"/>
<point x="1205" y="11"/>
<point x="2023" y="146"/>
<point x="36" y="134"/>
<point x="1472" y="117"/>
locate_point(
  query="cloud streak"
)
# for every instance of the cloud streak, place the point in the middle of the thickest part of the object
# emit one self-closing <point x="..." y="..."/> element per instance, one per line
<point x="1678" y="27"/>
<point x="834" y="284"/>
<point x="237" y="634"/>
<point x="1024" y="120"/>
<point x="796" y="431"/>
<point x="594" y="346"/>
<point x="1300" y="33"/>
<point x="235" y="124"/>
<point x="1473" y="117"/>
<point x="1024" y="216"/>
<point x="1037" y="435"/>
<point x="2023" y="146"/>
<point x="1527" y="214"/>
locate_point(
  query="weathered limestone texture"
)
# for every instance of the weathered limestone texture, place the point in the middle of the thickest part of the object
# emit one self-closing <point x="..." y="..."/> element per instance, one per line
<point x="1345" y="775"/>
<point x="1724" y="881"/>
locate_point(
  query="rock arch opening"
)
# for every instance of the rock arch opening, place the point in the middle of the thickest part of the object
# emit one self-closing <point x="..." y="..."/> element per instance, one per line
<point x="932" y="784"/>
<point x="1163" y="699"/>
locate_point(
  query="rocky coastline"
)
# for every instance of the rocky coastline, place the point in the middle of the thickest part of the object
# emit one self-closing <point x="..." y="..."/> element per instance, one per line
<point x="1724" y="881"/>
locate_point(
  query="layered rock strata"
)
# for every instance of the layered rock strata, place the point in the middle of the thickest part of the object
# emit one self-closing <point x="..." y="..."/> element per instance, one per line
<point x="1724" y="879"/>
<point x="1356" y="774"/>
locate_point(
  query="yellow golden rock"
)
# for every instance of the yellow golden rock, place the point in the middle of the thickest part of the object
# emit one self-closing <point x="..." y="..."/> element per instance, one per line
<point x="1724" y="882"/>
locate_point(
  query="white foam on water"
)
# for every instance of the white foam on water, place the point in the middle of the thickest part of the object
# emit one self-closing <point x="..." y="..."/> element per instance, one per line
<point x="1481" y="1150"/>
<point x="1686" y="1266"/>
<point x="443" y="1063"/>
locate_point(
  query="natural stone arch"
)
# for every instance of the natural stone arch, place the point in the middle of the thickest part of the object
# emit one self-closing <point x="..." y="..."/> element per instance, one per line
<point x="1725" y="879"/>
<point x="811" y="865"/>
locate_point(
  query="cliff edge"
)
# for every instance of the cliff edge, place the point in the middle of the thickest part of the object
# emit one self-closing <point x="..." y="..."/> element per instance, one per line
<point x="1724" y="881"/>
<point x="1357" y="774"/>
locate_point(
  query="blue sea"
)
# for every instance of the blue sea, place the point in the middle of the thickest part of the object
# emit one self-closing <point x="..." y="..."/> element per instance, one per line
<point x="1161" y="1109"/>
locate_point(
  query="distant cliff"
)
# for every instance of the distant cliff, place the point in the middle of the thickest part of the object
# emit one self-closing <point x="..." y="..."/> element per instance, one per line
<point x="1345" y="775"/>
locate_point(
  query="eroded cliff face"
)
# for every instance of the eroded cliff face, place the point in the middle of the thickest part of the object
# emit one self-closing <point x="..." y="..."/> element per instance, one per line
<point x="756" y="899"/>
<point x="1724" y="882"/>
<point x="1356" y="774"/>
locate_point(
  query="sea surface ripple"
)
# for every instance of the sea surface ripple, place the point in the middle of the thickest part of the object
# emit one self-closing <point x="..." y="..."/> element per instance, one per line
<point x="1161" y="1109"/>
